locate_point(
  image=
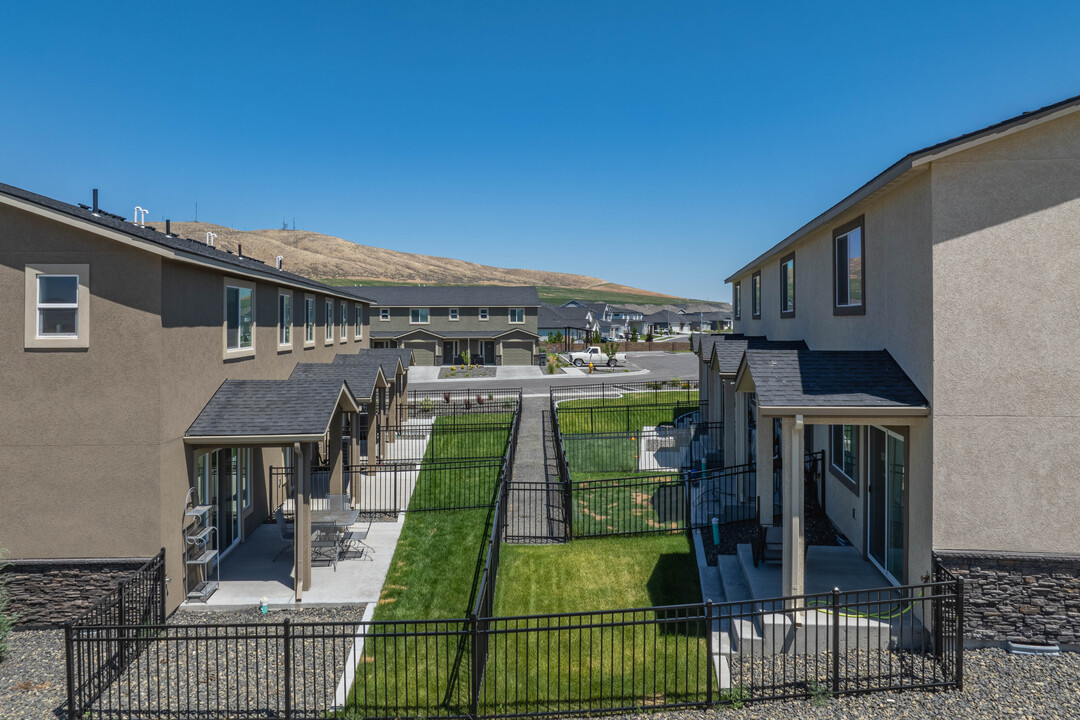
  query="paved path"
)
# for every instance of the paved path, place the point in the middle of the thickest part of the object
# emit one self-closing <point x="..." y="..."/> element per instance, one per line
<point x="534" y="513"/>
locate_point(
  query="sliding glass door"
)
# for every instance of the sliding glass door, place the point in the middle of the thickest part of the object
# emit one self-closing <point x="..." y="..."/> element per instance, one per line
<point x="223" y="481"/>
<point x="887" y="474"/>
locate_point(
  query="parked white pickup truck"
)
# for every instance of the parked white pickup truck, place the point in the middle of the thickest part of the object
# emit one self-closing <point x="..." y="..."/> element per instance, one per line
<point x="593" y="354"/>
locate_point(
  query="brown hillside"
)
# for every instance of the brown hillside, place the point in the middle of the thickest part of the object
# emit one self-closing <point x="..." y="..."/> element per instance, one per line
<point x="324" y="256"/>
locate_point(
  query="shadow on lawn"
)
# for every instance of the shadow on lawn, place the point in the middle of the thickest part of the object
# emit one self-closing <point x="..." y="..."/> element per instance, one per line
<point x="674" y="581"/>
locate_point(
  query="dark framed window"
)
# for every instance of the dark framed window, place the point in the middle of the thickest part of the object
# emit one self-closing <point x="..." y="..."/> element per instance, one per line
<point x="787" y="286"/>
<point x="736" y="300"/>
<point x="755" y="295"/>
<point x="844" y="454"/>
<point x="849" y="269"/>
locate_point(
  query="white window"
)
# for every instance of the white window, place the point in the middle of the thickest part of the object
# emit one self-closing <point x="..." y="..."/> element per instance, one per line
<point x="453" y="313"/>
<point x="309" y="321"/>
<point x="343" y="321"/>
<point x="242" y="463"/>
<point x="483" y="313"/>
<point x="57" y="306"/>
<point x="329" y="319"/>
<point x="240" y="317"/>
<point x="844" y="452"/>
<point x="736" y="300"/>
<point x="418" y="316"/>
<point x="384" y="313"/>
<point x="517" y="315"/>
<point x="358" y="318"/>
<point x="787" y="286"/>
<point x="285" y="319"/>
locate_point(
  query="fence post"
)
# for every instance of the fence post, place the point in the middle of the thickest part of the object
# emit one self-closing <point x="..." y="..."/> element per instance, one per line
<point x="287" y="652"/>
<point x="709" y="655"/>
<point x="69" y="650"/>
<point x="162" y="589"/>
<point x="836" y="642"/>
<point x="122" y="633"/>
<point x="959" y="633"/>
<point x="474" y="690"/>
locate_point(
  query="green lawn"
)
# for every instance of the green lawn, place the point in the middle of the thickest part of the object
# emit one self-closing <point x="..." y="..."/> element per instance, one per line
<point x="625" y="660"/>
<point x="651" y="504"/>
<point x="461" y="437"/>
<point x="628" y="413"/>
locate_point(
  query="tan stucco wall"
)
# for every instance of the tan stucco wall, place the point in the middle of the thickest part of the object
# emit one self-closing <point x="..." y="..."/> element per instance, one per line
<point x="79" y="429"/>
<point x="1006" y="301"/>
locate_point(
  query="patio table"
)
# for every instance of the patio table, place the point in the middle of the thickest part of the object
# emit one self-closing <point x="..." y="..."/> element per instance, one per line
<point x="329" y="527"/>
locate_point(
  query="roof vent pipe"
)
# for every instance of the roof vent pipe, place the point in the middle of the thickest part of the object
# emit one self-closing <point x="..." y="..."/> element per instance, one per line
<point x="278" y="261"/>
<point x="168" y="226"/>
<point x="140" y="216"/>
<point x="95" y="201"/>
<point x="239" y="250"/>
<point x="210" y="237"/>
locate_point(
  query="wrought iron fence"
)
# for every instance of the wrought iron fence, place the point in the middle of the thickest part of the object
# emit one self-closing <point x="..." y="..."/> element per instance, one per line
<point x="459" y="437"/>
<point x="424" y="485"/>
<point x="664" y="448"/>
<point x="696" y="655"/>
<point x="629" y="417"/>
<point x="440" y="403"/>
<point x="135" y="604"/>
<point x="652" y="392"/>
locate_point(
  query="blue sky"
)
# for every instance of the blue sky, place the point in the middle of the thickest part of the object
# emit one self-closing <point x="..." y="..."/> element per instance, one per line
<point x="656" y="144"/>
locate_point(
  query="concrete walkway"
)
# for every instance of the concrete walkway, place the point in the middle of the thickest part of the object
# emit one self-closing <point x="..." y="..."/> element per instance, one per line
<point x="534" y="513"/>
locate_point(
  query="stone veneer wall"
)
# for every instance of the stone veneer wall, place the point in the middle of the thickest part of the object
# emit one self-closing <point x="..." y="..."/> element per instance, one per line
<point x="1019" y="597"/>
<point x="46" y="593"/>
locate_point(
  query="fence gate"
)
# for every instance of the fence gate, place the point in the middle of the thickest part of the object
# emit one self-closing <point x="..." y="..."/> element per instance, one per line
<point x="536" y="512"/>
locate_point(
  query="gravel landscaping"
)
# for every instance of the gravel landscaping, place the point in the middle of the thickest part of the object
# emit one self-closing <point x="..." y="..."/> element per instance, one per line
<point x="996" y="685"/>
<point x="33" y="684"/>
<point x="460" y="373"/>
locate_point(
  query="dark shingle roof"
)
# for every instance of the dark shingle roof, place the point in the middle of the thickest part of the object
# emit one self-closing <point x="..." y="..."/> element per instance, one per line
<point x="269" y="407"/>
<point x="195" y="249"/>
<point x="727" y="348"/>
<point x="456" y="296"/>
<point x="830" y="378"/>
<point x="549" y="316"/>
<point x="361" y="378"/>
<point x="386" y="358"/>
<point x="448" y="334"/>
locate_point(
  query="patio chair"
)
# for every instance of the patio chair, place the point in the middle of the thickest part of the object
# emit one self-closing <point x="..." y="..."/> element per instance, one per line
<point x="286" y="530"/>
<point x="325" y="544"/>
<point x="357" y="537"/>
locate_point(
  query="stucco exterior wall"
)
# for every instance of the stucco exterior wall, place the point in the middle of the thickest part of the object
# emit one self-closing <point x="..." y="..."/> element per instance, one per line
<point x="468" y="320"/>
<point x="1006" y="299"/>
<point x="79" y="429"/>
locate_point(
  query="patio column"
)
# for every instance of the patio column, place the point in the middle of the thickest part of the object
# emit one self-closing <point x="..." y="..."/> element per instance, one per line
<point x="793" y="571"/>
<point x="333" y="454"/>
<point x="384" y="406"/>
<point x="763" y="452"/>
<point x="372" y="433"/>
<point x="731" y="421"/>
<point x="403" y="399"/>
<point x="302" y="543"/>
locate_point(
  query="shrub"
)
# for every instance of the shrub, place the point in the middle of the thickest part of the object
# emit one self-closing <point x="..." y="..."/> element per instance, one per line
<point x="466" y="358"/>
<point x="7" y="619"/>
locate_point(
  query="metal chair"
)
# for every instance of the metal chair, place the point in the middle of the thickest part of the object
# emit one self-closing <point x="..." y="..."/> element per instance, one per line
<point x="286" y="530"/>
<point x="359" y="536"/>
<point x="324" y="543"/>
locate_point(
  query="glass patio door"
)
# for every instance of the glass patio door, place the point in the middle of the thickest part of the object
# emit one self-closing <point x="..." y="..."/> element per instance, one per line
<point x="885" y="525"/>
<point x="219" y="485"/>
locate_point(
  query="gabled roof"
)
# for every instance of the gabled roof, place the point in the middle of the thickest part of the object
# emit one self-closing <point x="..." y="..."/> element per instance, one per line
<point x="452" y="296"/>
<point x="449" y="334"/>
<point x="148" y="238"/>
<point x="915" y="162"/>
<point x="271" y="411"/>
<point x="362" y="378"/>
<point x="391" y="360"/>
<point x="665" y="316"/>
<point x="820" y="381"/>
<point x="725" y="351"/>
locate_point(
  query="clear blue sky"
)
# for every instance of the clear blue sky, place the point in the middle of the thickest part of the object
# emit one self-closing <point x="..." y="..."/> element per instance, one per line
<point x="657" y="144"/>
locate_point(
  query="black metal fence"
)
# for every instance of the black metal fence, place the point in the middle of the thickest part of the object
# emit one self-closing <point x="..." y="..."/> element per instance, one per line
<point x="696" y="655"/>
<point x="629" y="417"/>
<point x="665" y="448"/>
<point x="419" y="485"/>
<point x="459" y="437"/>
<point x="441" y="403"/>
<point x="652" y="392"/>
<point x="135" y="604"/>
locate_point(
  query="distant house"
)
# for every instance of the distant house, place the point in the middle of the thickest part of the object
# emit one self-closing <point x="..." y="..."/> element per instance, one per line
<point x="573" y="323"/>
<point x="666" y="321"/>
<point x="497" y="325"/>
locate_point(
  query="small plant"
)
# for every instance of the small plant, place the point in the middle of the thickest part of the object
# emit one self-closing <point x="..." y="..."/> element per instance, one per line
<point x="819" y="693"/>
<point x="633" y="334"/>
<point x="552" y="364"/>
<point x="466" y="358"/>
<point x="426" y="405"/>
<point x="7" y="619"/>
<point x="649" y="336"/>
<point x="735" y="696"/>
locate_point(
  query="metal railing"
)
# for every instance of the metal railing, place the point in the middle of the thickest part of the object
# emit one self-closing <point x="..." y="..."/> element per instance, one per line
<point x="651" y="392"/>
<point x="626" y="417"/>
<point x="585" y="663"/>
<point x="440" y="403"/>
<point x="135" y="604"/>
<point x="664" y="448"/>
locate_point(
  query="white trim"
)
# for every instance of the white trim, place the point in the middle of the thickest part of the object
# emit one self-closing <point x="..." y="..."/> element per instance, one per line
<point x="419" y="310"/>
<point x="384" y="314"/>
<point x="358" y="321"/>
<point x="314" y="301"/>
<point x="453" y="314"/>
<point x="285" y="321"/>
<point x="33" y="339"/>
<point x="241" y="351"/>
<point x="510" y="316"/>
<point x="482" y="314"/>
<point x="328" y="327"/>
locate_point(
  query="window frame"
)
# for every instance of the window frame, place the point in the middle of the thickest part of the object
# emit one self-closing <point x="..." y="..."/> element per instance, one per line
<point x="837" y="471"/>
<point x="790" y="312"/>
<point x="311" y="319"/>
<point x="755" y="295"/>
<point x="419" y="310"/>
<point x="384" y="314"/>
<point x="482" y="314"/>
<point x="453" y="314"/>
<point x="285" y="320"/>
<point x="510" y="316"/>
<point x="343" y="321"/>
<point x="32" y="338"/>
<point x="358" y="321"/>
<point x="240" y="351"/>
<point x="736" y="300"/>
<point x="843" y="231"/>
<point x="328" y="320"/>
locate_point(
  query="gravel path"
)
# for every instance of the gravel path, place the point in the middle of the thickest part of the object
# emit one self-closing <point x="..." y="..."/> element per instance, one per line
<point x="33" y="684"/>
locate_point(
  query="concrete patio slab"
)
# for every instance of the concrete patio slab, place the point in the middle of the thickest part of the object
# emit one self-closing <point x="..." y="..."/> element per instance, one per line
<point x="826" y="568"/>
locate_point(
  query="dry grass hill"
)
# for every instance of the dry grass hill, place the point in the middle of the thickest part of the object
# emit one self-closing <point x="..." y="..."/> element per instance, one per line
<point x="324" y="256"/>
